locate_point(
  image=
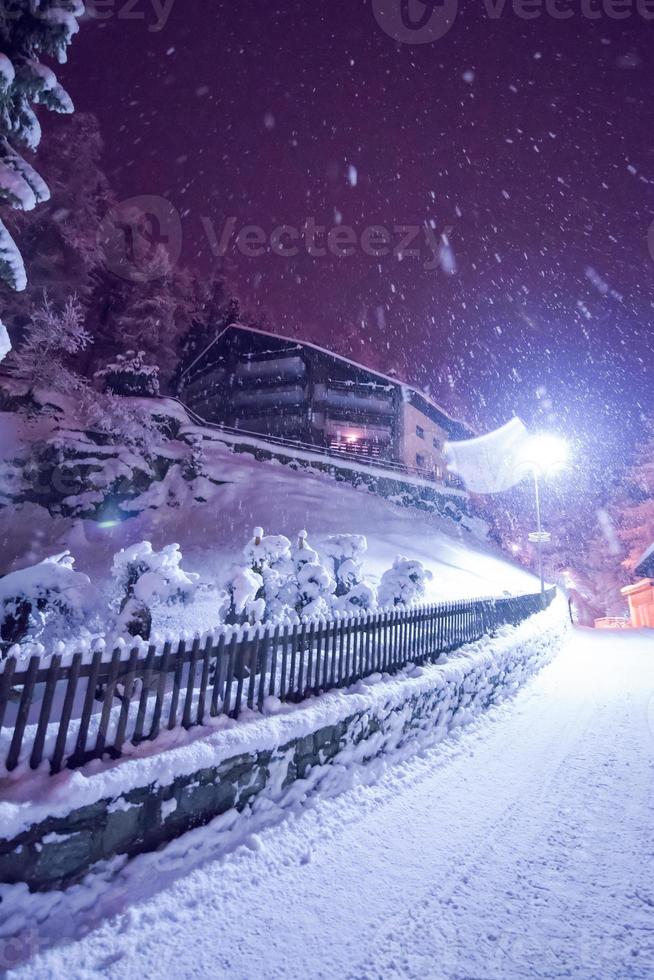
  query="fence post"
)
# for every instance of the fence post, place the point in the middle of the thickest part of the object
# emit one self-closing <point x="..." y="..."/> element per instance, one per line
<point x="128" y="690"/>
<point x="177" y="683"/>
<point x="274" y="646"/>
<point x="146" y="680"/>
<point x="190" y="684"/>
<point x="69" y="699"/>
<point x="204" y="679"/>
<point x="23" y="713"/>
<point x="44" y="716"/>
<point x="162" y="682"/>
<point x="107" y="703"/>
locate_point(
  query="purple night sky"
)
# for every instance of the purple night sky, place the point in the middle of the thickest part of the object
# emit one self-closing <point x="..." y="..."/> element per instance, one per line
<point x="528" y="139"/>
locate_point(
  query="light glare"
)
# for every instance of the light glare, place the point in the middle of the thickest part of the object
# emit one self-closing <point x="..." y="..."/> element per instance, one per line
<point x="546" y="453"/>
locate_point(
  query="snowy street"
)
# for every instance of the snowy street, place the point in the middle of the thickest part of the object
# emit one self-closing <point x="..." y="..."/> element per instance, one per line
<point x="520" y="847"/>
<point x="326" y="491"/>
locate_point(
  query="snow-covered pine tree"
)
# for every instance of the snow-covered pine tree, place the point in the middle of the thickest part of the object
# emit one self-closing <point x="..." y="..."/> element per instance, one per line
<point x="59" y="240"/>
<point x="603" y="572"/>
<point x="130" y="374"/>
<point x="635" y="509"/>
<point x="43" y="359"/>
<point x="29" y="29"/>
<point x="151" y="317"/>
<point x="214" y="309"/>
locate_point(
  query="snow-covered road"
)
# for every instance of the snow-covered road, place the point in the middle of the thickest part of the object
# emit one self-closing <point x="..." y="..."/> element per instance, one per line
<point x="521" y="847"/>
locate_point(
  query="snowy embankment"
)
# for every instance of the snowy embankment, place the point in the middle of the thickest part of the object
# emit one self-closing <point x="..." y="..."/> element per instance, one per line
<point x="383" y="715"/>
<point x="238" y="493"/>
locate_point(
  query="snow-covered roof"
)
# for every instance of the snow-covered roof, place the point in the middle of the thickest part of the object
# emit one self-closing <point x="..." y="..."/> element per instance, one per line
<point x="397" y="382"/>
<point x="645" y="564"/>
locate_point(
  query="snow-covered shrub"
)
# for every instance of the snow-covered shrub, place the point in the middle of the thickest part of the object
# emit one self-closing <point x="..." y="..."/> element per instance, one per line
<point x="129" y="374"/>
<point x="268" y="567"/>
<point x="144" y="578"/>
<point x="404" y="583"/>
<point x="246" y="601"/>
<point x="48" y="596"/>
<point x="266" y="550"/>
<point x="280" y="583"/>
<point x="315" y="584"/>
<point x="361" y="597"/>
<point x="346" y="552"/>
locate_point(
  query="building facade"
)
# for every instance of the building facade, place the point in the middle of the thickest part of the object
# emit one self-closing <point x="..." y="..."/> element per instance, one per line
<point x="640" y="596"/>
<point x="268" y="385"/>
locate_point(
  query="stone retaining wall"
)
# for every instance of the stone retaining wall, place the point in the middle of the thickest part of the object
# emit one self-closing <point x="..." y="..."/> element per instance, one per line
<point x="422" y="707"/>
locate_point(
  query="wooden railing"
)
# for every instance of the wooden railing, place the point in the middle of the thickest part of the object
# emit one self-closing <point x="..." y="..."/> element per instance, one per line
<point x="68" y="712"/>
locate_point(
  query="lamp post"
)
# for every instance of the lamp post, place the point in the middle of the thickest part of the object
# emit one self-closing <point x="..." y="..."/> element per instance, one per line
<point x="539" y="531"/>
<point x="544" y="454"/>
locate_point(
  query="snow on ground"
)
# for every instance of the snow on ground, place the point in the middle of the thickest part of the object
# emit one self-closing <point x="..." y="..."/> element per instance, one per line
<point x="283" y="500"/>
<point x="519" y="847"/>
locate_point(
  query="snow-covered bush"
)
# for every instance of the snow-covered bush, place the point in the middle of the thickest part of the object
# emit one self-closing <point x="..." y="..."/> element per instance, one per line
<point x="48" y="596"/>
<point x="246" y="601"/>
<point x="129" y="374"/>
<point x="346" y="552"/>
<point x="280" y="583"/>
<point x="315" y="584"/>
<point x="263" y="589"/>
<point x="404" y="583"/>
<point x="144" y="578"/>
<point x="266" y="550"/>
<point x="361" y="597"/>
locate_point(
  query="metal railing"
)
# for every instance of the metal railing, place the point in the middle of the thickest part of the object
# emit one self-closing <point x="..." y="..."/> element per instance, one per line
<point x="67" y="713"/>
<point x="394" y="467"/>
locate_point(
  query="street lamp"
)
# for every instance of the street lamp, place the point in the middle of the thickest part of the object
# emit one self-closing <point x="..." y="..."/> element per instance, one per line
<point x="544" y="454"/>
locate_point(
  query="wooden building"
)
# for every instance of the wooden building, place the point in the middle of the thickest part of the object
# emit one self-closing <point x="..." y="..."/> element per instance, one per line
<point x="640" y="596"/>
<point x="269" y="385"/>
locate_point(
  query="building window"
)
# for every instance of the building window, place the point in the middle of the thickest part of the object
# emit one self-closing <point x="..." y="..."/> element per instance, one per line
<point x="437" y="443"/>
<point x="420" y="432"/>
<point x="421" y="461"/>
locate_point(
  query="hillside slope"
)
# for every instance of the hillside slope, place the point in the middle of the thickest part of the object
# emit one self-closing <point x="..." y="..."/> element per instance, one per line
<point x="280" y="498"/>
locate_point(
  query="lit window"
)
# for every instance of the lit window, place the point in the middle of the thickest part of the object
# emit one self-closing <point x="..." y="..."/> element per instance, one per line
<point x="420" y="432"/>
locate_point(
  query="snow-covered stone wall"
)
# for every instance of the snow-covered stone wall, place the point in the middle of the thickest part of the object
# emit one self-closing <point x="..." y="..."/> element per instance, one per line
<point x="260" y="768"/>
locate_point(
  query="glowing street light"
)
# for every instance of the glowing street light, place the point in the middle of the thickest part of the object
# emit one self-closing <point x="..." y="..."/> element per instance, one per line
<point x="544" y="454"/>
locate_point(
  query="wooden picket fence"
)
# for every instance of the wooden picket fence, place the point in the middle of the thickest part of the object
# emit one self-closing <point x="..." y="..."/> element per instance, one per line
<point x="92" y="705"/>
